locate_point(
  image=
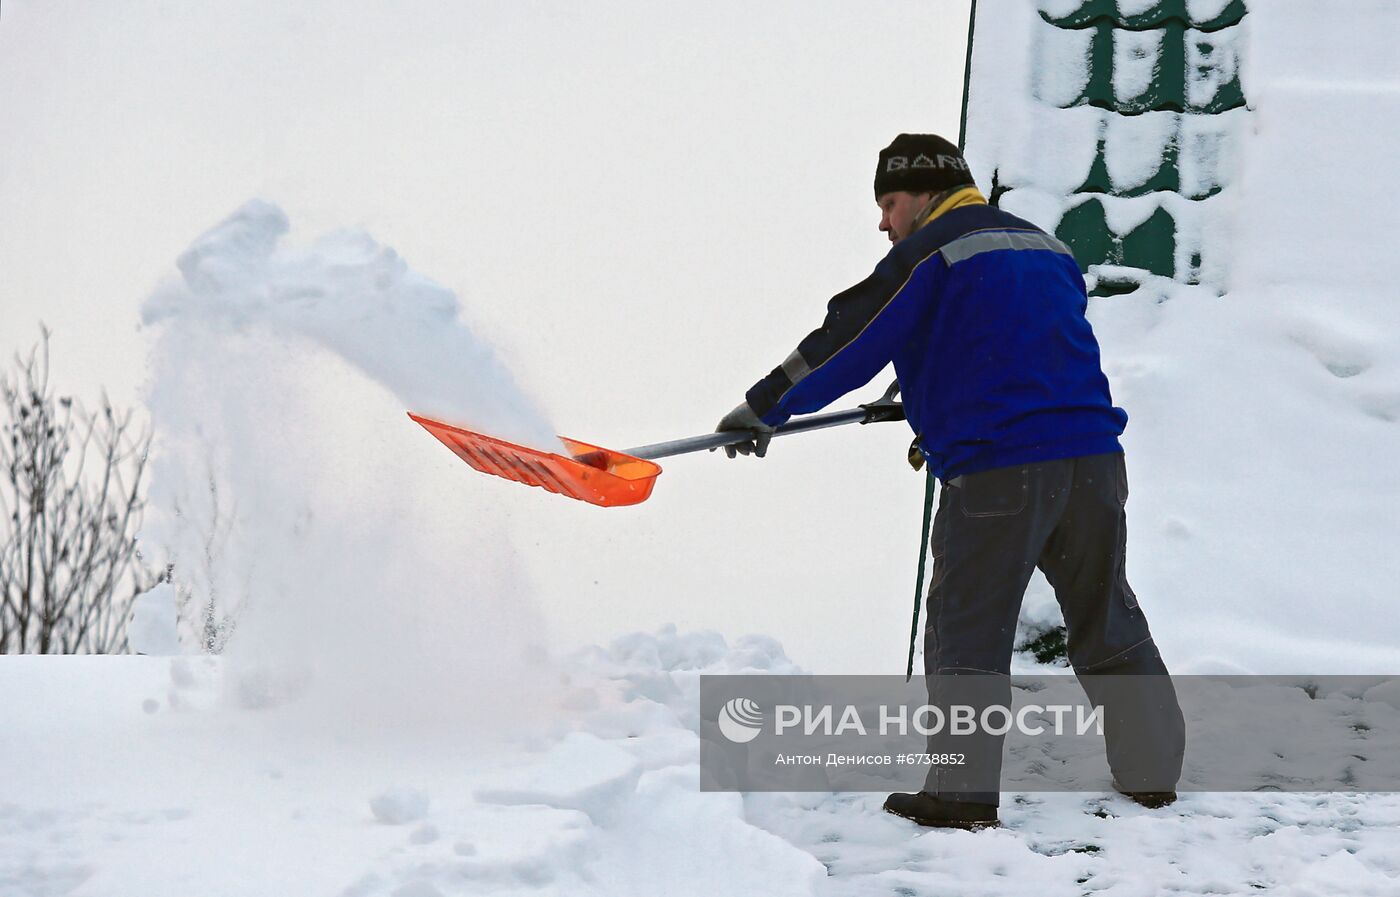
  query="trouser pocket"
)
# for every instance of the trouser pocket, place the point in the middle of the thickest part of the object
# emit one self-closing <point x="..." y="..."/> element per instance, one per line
<point x="994" y="493"/>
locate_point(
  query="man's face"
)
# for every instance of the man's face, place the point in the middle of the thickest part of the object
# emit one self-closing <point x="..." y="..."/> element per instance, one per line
<point x="898" y="209"/>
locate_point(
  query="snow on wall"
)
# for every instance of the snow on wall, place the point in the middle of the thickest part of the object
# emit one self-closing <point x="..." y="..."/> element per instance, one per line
<point x="1318" y="176"/>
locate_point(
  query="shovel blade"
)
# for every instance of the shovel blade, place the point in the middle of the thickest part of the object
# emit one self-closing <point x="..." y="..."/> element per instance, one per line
<point x="596" y="475"/>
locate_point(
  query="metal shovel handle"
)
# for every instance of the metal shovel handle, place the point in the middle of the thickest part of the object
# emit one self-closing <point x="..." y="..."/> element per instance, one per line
<point x="884" y="409"/>
<point x="731" y="437"/>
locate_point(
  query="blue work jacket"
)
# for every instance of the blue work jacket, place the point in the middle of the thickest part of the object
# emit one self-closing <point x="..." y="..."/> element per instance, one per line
<point x="983" y="316"/>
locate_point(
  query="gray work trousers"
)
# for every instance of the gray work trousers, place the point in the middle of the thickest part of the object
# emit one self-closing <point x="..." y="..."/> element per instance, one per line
<point x="1067" y="517"/>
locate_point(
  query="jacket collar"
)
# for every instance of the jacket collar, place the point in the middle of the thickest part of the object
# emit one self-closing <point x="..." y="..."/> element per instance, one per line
<point x="967" y="196"/>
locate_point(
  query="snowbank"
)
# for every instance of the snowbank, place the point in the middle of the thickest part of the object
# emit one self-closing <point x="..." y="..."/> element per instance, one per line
<point x="143" y="777"/>
<point x="1261" y="421"/>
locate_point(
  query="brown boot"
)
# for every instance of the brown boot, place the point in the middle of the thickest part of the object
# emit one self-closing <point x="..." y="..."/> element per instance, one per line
<point x="925" y="809"/>
<point x="1152" y="800"/>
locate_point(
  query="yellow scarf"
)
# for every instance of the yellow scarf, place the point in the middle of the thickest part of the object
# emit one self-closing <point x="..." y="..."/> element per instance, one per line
<point x="967" y="196"/>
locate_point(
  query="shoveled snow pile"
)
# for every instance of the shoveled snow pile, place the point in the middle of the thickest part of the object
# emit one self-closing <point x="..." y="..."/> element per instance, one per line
<point x="1261" y="421"/>
<point x="147" y="776"/>
<point x="1265" y="501"/>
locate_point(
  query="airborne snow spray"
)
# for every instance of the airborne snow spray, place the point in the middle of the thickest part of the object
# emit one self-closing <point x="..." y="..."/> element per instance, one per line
<point x="316" y="534"/>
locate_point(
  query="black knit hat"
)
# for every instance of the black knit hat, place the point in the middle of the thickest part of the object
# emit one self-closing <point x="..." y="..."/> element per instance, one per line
<point x="921" y="163"/>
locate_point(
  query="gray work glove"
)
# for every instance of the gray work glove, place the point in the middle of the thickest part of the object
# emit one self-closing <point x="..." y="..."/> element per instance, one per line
<point x="743" y="418"/>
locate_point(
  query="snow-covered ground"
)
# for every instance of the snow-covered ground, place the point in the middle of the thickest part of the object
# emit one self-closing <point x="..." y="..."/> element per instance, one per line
<point x="165" y="777"/>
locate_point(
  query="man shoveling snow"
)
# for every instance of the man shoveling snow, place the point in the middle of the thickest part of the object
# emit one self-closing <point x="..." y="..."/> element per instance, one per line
<point x="983" y="317"/>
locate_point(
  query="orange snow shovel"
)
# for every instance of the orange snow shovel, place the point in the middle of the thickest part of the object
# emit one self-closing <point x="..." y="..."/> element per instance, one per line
<point x="611" y="478"/>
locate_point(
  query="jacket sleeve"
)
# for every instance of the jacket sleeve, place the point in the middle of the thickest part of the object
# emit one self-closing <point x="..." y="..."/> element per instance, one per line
<point x="864" y="326"/>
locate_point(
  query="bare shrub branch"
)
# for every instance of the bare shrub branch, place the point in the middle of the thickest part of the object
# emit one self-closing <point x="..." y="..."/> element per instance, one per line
<point x="71" y="492"/>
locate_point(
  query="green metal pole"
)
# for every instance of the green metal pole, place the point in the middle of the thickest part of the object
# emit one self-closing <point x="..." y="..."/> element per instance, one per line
<point x="967" y="75"/>
<point x="931" y="482"/>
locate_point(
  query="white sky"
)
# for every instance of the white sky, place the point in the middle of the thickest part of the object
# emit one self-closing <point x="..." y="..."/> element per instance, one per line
<point x="644" y="204"/>
<point x="677" y="163"/>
